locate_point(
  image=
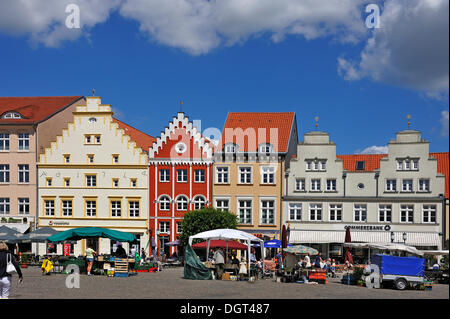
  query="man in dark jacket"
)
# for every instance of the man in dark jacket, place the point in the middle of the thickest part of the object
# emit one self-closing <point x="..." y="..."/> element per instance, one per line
<point x="5" y="278"/>
<point x="120" y="252"/>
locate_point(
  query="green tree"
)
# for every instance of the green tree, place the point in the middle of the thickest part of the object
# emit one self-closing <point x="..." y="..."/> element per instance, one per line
<point x="205" y="219"/>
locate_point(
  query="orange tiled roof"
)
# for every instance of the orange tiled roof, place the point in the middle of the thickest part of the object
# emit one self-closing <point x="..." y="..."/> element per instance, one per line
<point x="372" y="162"/>
<point x="142" y="139"/>
<point x="250" y="129"/>
<point x="34" y="109"/>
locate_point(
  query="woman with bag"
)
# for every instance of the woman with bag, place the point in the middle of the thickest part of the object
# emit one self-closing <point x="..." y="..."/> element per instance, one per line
<point x="8" y="266"/>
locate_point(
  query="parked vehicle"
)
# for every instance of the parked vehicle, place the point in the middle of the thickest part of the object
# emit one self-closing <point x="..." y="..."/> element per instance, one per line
<point x="401" y="272"/>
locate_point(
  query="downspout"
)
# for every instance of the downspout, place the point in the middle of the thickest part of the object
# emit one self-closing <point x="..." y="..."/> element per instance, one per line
<point x="377" y="175"/>
<point x="444" y="221"/>
<point x="344" y="176"/>
<point x="281" y="196"/>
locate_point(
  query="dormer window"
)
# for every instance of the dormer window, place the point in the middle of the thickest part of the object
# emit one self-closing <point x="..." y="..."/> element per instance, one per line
<point x="265" y="148"/>
<point x="230" y="148"/>
<point x="360" y="165"/>
<point x="12" y="115"/>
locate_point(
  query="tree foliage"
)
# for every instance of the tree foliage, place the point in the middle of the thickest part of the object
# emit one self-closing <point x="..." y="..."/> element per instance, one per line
<point x="205" y="219"/>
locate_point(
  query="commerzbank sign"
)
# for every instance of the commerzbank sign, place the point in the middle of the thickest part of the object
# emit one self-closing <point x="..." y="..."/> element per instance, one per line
<point x="369" y="227"/>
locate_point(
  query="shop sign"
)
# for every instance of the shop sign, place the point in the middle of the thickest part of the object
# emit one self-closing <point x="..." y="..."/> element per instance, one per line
<point x="61" y="223"/>
<point x="369" y="227"/>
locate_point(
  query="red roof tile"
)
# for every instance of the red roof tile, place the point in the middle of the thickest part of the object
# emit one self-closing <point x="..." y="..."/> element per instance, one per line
<point x="443" y="167"/>
<point x="142" y="139"/>
<point x="34" y="109"/>
<point x="251" y="129"/>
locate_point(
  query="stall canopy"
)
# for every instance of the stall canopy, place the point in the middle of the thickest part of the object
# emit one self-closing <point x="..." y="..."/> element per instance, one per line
<point x="230" y="244"/>
<point x="80" y="233"/>
<point x="38" y="236"/>
<point x="229" y="234"/>
<point x="301" y="250"/>
<point x="390" y="247"/>
<point x="8" y="235"/>
<point x="435" y="252"/>
<point x="193" y="267"/>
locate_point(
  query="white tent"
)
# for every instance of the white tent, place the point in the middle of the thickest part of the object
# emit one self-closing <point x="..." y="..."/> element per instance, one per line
<point x="390" y="247"/>
<point x="435" y="252"/>
<point x="229" y="234"/>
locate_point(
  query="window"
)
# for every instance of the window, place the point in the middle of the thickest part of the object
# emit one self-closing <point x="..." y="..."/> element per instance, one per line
<point x="66" y="181"/>
<point x="115" y="158"/>
<point x="391" y="185"/>
<point x="199" y="175"/>
<point x="267" y="212"/>
<point x="49" y="207"/>
<point x="415" y="165"/>
<point x="91" y="208"/>
<point x="164" y="175"/>
<point x="315" y="212"/>
<point x="331" y="185"/>
<point x="323" y="165"/>
<point x="4" y="205"/>
<point x="222" y="175"/>
<point x="407" y="185"/>
<point x="335" y="212"/>
<point x="116" y="208"/>
<point x="182" y="203"/>
<point x="360" y="213"/>
<point x="24" y="173"/>
<point x="49" y="181"/>
<point x="268" y="175"/>
<point x="406" y="213"/>
<point x="385" y="213"/>
<point x="245" y="211"/>
<point x="24" y="205"/>
<point x="199" y="202"/>
<point x="67" y="206"/>
<point x="360" y="165"/>
<point x="295" y="211"/>
<point x="133" y="182"/>
<point x="97" y="139"/>
<point x="315" y="185"/>
<point x="87" y="139"/>
<point x="164" y="227"/>
<point x="179" y="227"/>
<point x="115" y="182"/>
<point x="223" y="204"/>
<point x="66" y="158"/>
<point x="245" y="175"/>
<point x="164" y="203"/>
<point x="265" y="148"/>
<point x="4" y="142"/>
<point x="429" y="213"/>
<point x="300" y="184"/>
<point x="24" y="141"/>
<point x="90" y="158"/>
<point x="133" y="206"/>
<point x="4" y="173"/>
<point x="309" y="166"/>
<point x="12" y="115"/>
<point x="424" y="185"/>
<point x="230" y="148"/>
<point x="91" y="180"/>
<point x="316" y="165"/>
<point x="182" y="175"/>
<point x="407" y="164"/>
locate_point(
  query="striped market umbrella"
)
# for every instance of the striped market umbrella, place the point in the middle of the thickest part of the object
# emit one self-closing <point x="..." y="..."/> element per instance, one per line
<point x="301" y="250"/>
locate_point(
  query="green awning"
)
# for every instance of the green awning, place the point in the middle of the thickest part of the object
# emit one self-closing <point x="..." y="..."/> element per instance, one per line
<point x="81" y="233"/>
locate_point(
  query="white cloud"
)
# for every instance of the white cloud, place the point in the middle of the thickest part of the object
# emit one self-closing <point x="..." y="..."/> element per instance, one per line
<point x="44" y="20"/>
<point x="444" y="122"/>
<point x="373" y="150"/>
<point x="410" y="50"/>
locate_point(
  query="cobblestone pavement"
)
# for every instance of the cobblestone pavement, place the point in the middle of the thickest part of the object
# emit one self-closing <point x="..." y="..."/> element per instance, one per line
<point x="169" y="284"/>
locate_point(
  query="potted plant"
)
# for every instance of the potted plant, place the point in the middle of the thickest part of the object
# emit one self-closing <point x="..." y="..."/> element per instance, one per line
<point x="24" y="260"/>
<point x="360" y="283"/>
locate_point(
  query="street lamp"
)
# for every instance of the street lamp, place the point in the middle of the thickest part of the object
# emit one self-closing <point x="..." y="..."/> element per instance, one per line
<point x="404" y="238"/>
<point x="288" y="232"/>
<point x="392" y="236"/>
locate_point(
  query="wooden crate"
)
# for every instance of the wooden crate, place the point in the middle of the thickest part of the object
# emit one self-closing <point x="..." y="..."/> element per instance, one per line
<point x="121" y="267"/>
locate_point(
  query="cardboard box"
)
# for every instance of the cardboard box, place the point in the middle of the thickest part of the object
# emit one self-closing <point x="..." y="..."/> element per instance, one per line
<point x="226" y="276"/>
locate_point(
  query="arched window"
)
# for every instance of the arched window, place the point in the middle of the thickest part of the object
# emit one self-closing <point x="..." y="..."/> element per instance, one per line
<point x="199" y="202"/>
<point x="230" y="148"/>
<point x="11" y="115"/>
<point x="182" y="203"/>
<point x="265" y="148"/>
<point x="164" y="202"/>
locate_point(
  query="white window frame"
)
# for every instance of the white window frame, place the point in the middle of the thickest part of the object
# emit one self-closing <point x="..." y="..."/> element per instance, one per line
<point x="199" y="202"/>
<point x="4" y="173"/>
<point x="333" y="184"/>
<point x="300" y="185"/>
<point x="245" y="209"/>
<point x="65" y="210"/>
<point x="182" y="175"/>
<point x="383" y="210"/>
<point x="407" y="187"/>
<point x="317" y="208"/>
<point x="389" y="183"/>
<point x="164" y="177"/>
<point x="23" y="141"/>
<point x="134" y="208"/>
<point x="421" y="183"/>
<point x="164" y="203"/>
<point x="199" y="175"/>
<point x="116" y="211"/>
<point x="24" y="173"/>
<point x="222" y="173"/>
<point x="295" y="211"/>
<point x="4" y="142"/>
<point x="427" y="211"/>
<point x="183" y="201"/>
<point x="408" y="211"/>
<point x="91" y="180"/>
<point x="5" y="206"/>
<point x="49" y="210"/>
<point x="335" y="211"/>
<point x="265" y="211"/>
<point x="91" y="210"/>
<point x="314" y="183"/>
<point x="24" y="205"/>
<point x="222" y="207"/>
<point x="230" y="148"/>
<point x="360" y="210"/>
<point x="164" y="227"/>
<point x="247" y="173"/>
<point x="268" y="172"/>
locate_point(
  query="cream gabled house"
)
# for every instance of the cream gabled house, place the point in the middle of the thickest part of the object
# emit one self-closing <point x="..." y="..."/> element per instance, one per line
<point x="95" y="175"/>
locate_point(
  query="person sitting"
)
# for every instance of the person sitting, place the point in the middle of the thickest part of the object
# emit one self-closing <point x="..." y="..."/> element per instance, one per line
<point x="317" y="263"/>
<point x="120" y="251"/>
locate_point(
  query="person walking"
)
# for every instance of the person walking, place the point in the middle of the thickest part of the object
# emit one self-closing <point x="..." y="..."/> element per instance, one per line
<point x="219" y="261"/>
<point x="90" y="252"/>
<point x="5" y="278"/>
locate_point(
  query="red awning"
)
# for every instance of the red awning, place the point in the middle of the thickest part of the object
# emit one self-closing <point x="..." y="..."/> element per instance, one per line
<point x="221" y="243"/>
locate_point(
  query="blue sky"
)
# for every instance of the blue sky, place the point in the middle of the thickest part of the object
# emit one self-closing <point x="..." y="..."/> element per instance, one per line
<point x="144" y="78"/>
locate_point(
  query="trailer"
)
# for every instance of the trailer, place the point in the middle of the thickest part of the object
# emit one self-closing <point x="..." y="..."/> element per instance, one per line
<point x="401" y="272"/>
